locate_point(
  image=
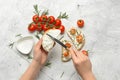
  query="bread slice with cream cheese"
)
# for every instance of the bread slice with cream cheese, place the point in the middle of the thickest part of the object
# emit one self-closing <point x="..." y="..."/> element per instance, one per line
<point x="66" y="56"/>
<point x="77" y="38"/>
<point x="48" y="43"/>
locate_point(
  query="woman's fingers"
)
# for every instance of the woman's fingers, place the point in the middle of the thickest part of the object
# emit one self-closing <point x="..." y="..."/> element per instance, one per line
<point x="76" y="52"/>
<point x="80" y="56"/>
<point x="74" y="57"/>
<point x="44" y="50"/>
<point x="38" y="45"/>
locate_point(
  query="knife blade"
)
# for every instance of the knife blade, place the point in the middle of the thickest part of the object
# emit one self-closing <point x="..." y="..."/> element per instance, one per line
<point x="56" y="40"/>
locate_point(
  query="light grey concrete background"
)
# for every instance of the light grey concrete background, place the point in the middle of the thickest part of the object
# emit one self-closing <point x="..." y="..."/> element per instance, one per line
<point x="102" y="32"/>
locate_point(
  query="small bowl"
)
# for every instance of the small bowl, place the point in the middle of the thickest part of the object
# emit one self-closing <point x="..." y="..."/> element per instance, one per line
<point x="25" y="45"/>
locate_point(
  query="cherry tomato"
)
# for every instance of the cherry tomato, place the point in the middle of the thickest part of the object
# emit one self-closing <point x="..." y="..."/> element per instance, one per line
<point x="79" y="38"/>
<point x="45" y="27"/>
<point x="80" y="23"/>
<point x="58" y="22"/>
<point x="85" y="52"/>
<point x="51" y="19"/>
<point x="68" y="45"/>
<point x="72" y="31"/>
<point x="62" y="29"/>
<point x="38" y="26"/>
<point x="35" y="18"/>
<point x="32" y="27"/>
<point x="43" y="18"/>
<point x="66" y="54"/>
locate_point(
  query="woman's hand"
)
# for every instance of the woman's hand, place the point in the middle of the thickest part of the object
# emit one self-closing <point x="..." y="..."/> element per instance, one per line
<point x="82" y="64"/>
<point x="40" y="55"/>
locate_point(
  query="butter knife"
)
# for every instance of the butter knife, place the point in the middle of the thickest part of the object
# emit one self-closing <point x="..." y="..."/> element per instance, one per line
<point x="56" y="40"/>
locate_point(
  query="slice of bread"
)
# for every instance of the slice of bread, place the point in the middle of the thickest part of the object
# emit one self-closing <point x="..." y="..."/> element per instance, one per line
<point x="66" y="56"/>
<point x="77" y="38"/>
<point x="48" y="43"/>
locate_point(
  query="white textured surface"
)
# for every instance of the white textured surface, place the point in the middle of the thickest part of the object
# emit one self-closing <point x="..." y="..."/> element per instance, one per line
<point x="102" y="31"/>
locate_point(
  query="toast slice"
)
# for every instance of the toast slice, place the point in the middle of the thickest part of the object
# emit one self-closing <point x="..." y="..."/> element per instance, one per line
<point x="66" y="56"/>
<point x="48" y="43"/>
<point x="77" y="38"/>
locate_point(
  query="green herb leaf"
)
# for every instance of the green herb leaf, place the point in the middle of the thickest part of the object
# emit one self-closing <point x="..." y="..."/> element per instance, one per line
<point x="48" y="64"/>
<point x="18" y="35"/>
<point x="45" y="12"/>
<point x="11" y="44"/>
<point x="37" y="36"/>
<point x="63" y="16"/>
<point x="65" y="40"/>
<point x="42" y="32"/>
<point x="36" y="9"/>
<point x="62" y="74"/>
<point x="30" y="57"/>
<point x="78" y="5"/>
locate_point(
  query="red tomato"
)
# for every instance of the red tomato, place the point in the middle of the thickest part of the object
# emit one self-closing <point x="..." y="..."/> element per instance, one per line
<point x="35" y="18"/>
<point x="73" y="31"/>
<point x="32" y="27"/>
<point x="80" y="23"/>
<point x="62" y="29"/>
<point x="68" y="45"/>
<point x="51" y="19"/>
<point x="43" y="18"/>
<point x="58" y="22"/>
<point x="85" y="52"/>
<point x="79" y="38"/>
<point x="38" y="26"/>
<point x="66" y="54"/>
<point x="45" y="27"/>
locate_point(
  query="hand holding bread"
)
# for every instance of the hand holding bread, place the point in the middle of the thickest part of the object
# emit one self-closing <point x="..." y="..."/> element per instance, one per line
<point x="40" y="55"/>
<point x="48" y="43"/>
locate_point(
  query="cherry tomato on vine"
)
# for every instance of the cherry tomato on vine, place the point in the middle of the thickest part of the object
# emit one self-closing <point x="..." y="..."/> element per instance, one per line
<point x="32" y="27"/>
<point x="58" y="22"/>
<point x="51" y="19"/>
<point x="35" y="18"/>
<point x="43" y="18"/>
<point x="38" y="26"/>
<point x="62" y="29"/>
<point x="45" y="27"/>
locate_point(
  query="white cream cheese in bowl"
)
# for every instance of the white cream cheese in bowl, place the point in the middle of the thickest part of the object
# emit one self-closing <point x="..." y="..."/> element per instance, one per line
<point x="25" y="44"/>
